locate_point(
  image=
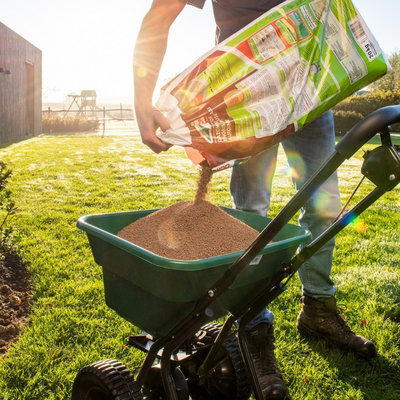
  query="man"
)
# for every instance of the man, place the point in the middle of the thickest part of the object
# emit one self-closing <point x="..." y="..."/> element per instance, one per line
<point x="251" y="185"/>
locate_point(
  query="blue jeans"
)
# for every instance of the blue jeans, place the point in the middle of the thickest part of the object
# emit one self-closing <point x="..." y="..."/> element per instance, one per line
<point x="251" y="185"/>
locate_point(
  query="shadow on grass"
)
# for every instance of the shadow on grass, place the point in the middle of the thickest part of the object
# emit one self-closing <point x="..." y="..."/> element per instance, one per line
<point x="376" y="378"/>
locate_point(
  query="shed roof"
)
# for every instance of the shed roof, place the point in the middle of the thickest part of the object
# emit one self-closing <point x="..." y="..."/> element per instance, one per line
<point x="88" y="93"/>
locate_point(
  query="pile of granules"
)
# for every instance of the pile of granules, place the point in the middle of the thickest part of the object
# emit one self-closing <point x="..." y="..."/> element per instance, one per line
<point x="191" y="230"/>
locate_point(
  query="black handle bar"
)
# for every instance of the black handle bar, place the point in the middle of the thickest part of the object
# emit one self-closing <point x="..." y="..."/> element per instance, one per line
<point x="367" y="129"/>
<point x="353" y="140"/>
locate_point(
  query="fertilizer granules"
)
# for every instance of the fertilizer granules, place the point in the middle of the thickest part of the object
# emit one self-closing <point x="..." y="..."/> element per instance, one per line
<point x="191" y="230"/>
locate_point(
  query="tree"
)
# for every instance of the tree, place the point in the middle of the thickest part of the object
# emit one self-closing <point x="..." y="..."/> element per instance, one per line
<point x="391" y="81"/>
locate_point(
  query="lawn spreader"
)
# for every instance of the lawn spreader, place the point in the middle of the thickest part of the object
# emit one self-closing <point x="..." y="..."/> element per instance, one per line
<point x="176" y="303"/>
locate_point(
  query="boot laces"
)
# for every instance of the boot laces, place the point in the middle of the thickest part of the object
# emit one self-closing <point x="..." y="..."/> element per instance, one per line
<point x="340" y="321"/>
<point x="261" y="348"/>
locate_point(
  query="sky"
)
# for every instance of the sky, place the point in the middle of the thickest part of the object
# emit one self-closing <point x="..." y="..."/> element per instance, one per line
<point x="88" y="44"/>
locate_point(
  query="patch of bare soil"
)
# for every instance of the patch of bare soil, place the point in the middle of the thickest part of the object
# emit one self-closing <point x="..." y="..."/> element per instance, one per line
<point x="15" y="287"/>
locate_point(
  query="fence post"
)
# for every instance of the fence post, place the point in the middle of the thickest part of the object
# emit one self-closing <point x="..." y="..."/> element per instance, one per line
<point x="49" y="111"/>
<point x="104" y="120"/>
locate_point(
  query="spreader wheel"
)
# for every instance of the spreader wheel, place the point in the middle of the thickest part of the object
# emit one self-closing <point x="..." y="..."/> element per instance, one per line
<point x="105" y="380"/>
<point x="226" y="378"/>
<point x="153" y="388"/>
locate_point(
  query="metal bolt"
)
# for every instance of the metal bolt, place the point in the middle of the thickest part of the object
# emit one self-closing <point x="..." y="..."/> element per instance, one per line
<point x="392" y="177"/>
<point x="211" y="293"/>
<point x="301" y="257"/>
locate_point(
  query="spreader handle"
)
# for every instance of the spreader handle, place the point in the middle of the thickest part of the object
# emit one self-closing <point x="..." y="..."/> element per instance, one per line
<point x="366" y="129"/>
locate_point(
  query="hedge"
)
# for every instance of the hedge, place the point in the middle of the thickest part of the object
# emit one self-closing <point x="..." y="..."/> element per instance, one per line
<point x="68" y="124"/>
<point x="353" y="109"/>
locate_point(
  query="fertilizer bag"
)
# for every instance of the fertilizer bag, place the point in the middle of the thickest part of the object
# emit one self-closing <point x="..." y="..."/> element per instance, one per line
<point x="269" y="80"/>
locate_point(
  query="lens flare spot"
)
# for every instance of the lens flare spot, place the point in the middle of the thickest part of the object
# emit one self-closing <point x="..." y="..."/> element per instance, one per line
<point x="268" y="175"/>
<point x="291" y="173"/>
<point x="297" y="167"/>
<point x="166" y="235"/>
<point x="360" y="226"/>
<point x="141" y="72"/>
<point x="323" y="206"/>
<point x="245" y="145"/>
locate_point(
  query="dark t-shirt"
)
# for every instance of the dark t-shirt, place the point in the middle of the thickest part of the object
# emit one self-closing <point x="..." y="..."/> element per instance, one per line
<point x="232" y="15"/>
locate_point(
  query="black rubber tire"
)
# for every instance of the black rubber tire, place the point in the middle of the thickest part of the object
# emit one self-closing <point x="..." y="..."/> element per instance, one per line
<point x="227" y="378"/>
<point x="105" y="380"/>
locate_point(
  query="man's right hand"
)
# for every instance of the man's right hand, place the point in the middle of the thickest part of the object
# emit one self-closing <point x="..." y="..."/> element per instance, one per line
<point x="149" y="120"/>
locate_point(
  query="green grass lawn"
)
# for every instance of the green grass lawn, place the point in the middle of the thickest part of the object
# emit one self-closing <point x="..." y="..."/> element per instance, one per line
<point x="59" y="178"/>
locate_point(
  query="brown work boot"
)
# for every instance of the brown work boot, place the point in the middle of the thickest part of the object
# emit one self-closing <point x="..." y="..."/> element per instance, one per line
<point x="321" y="319"/>
<point x="260" y="340"/>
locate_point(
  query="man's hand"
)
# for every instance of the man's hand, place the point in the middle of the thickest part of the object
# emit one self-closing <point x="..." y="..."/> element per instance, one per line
<point x="149" y="120"/>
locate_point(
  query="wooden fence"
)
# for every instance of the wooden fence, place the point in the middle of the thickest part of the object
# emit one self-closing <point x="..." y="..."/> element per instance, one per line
<point x="102" y="114"/>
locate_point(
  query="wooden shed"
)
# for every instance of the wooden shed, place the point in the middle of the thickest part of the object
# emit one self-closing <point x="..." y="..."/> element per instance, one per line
<point x="20" y="87"/>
